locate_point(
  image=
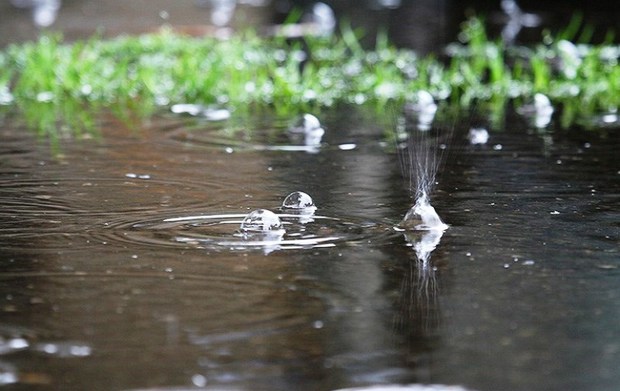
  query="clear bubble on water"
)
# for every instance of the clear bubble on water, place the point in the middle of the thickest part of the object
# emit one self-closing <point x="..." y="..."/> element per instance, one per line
<point x="478" y="136"/>
<point x="307" y="123"/>
<point x="307" y="131"/>
<point x="299" y="200"/>
<point x="423" y="108"/>
<point x="261" y="220"/>
<point x="8" y="374"/>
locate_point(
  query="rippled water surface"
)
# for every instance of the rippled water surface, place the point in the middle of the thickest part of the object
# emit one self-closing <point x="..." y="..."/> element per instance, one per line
<point x="123" y="268"/>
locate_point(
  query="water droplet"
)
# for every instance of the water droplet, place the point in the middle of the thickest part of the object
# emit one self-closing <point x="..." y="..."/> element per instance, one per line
<point x="298" y="200"/>
<point x="261" y="220"/>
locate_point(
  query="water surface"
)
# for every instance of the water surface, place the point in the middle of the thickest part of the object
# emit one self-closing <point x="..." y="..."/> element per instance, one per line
<point x="122" y="267"/>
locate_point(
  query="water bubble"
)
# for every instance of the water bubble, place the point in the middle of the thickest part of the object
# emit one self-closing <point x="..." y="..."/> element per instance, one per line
<point x="186" y="108"/>
<point x="309" y="127"/>
<point x="323" y="18"/>
<point x="216" y="114"/>
<point x="310" y="122"/>
<point x="12" y="344"/>
<point x="261" y="220"/>
<point x="207" y="112"/>
<point x="199" y="380"/>
<point x="8" y="374"/>
<point x="478" y="136"/>
<point x="540" y="111"/>
<point x="347" y="146"/>
<point x="298" y="200"/>
<point x="423" y="108"/>
<point x="64" y="349"/>
<point x="571" y="60"/>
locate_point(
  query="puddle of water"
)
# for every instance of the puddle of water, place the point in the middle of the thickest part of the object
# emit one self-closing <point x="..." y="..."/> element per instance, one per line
<point x="123" y="264"/>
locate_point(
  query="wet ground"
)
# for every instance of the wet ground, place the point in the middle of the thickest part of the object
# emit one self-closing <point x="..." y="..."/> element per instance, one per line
<point x="122" y="269"/>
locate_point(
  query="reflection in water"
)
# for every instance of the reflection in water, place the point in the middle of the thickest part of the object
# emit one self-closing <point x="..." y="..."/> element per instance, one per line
<point x="517" y="19"/>
<point x="44" y="12"/>
<point x="410" y="387"/>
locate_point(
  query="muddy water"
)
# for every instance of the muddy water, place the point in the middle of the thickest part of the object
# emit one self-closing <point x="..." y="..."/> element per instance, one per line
<point x="121" y="268"/>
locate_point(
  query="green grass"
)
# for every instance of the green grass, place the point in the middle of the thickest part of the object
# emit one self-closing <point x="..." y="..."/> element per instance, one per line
<point x="53" y="82"/>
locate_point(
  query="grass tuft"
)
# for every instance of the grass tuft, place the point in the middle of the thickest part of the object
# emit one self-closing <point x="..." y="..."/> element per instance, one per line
<point x="247" y="72"/>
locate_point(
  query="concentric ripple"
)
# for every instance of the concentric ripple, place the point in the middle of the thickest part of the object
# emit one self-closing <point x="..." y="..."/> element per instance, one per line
<point x="220" y="232"/>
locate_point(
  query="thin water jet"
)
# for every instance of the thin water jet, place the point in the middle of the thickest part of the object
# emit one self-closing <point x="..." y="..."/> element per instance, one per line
<point x="420" y="156"/>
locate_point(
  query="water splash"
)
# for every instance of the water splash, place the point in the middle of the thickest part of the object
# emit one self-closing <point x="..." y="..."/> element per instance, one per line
<point x="422" y="216"/>
<point x="420" y="156"/>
